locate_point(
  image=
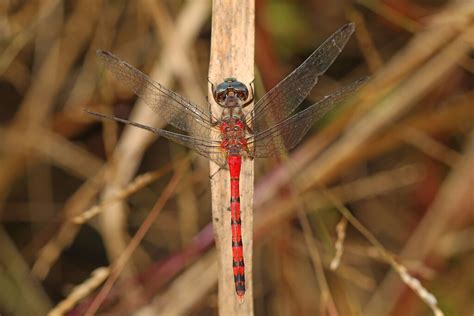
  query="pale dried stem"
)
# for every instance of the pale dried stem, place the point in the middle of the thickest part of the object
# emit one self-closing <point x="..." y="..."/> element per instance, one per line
<point x="98" y="276"/>
<point x="364" y="39"/>
<point x="134" y="186"/>
<point x="232" y="55"/>
<point x="430" y="146"/>
<point x="391" y="14"/>
<point x="339" y="246"/>
<point x="456" y="243"/>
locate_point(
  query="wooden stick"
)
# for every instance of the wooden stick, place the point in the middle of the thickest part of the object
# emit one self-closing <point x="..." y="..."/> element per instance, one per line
<point x="232" y="55"/>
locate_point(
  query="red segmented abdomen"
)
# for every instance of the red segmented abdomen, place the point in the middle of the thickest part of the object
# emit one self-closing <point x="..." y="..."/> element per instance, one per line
<point x="238" y="266"/>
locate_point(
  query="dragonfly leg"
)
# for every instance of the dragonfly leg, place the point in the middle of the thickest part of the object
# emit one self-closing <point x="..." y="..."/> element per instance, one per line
<point x="251" y="96"/>
<point x="212" y="91"/>
<point x="212" y="83"/>
<point x="248" y="129"/>
<point x="212" y="175"/>
<point x="249" y="155"/>
<point x="215" y="123"/>
<point x="209" y="108"/>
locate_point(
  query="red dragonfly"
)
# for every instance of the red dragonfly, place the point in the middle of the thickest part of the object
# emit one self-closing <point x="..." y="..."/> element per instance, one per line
<point x="267" y="130"/>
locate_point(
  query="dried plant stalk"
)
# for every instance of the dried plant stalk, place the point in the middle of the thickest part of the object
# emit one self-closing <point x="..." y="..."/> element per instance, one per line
<point x="80" y="291"/>
<point x="232" y="55"/>
<point x="341" y="235"/>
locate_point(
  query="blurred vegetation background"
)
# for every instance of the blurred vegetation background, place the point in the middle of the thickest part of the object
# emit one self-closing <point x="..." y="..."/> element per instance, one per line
<point x="399" y="157"/>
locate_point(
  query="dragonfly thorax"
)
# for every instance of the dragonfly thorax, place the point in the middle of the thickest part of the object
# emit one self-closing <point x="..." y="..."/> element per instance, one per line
<point x="233" y="136"/>
<point x="230" y="93"/>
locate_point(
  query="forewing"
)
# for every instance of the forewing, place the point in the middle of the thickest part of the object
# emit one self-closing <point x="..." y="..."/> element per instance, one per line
<point x="285" y="97"/>
<point x="208" y="148"/>
<point x="170" y="106"/>
<point x="285" y="135"/>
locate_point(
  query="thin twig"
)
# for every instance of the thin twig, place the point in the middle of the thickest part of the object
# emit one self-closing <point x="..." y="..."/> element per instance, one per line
<point x="341" y="235"/>
<point x="430" y="146"/>
<point x="80" y="291"/>
<point x="138" y="183"/>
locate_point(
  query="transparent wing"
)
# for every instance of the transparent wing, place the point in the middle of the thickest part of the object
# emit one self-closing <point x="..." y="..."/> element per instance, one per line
<point x="206" y="147"/>
<point x="285" y="97"/>
<point x="285" y="135"/>
<point x="171" y="107"/>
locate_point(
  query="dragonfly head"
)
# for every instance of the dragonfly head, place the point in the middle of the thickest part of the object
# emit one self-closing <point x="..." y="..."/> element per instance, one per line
<point x="230" y="92"/>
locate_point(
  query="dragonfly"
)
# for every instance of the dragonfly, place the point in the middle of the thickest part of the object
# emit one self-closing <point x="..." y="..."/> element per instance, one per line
<point x="269" y="129"/>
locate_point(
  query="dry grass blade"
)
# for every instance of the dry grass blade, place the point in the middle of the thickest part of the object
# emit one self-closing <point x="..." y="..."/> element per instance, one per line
<point x="80" y="291"/>
<point x="430" y="146"/>
<point x="341" y="235"/>
<point x="138" y="183"/>
<point x="392" y="15"/>
<point x="372" y="56"/>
